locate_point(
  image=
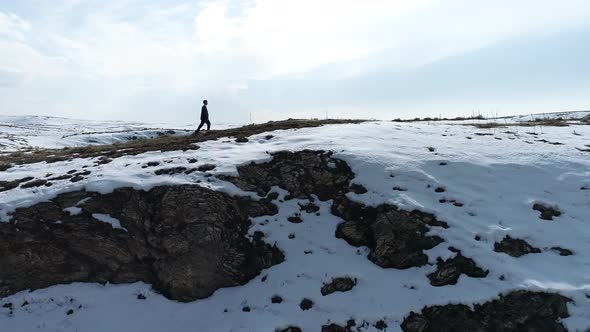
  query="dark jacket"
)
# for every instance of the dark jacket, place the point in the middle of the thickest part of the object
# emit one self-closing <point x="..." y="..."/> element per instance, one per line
<point x="204" y="113"/>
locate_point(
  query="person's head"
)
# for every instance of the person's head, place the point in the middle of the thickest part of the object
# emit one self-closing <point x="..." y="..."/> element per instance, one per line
<point x="205" y="102"/>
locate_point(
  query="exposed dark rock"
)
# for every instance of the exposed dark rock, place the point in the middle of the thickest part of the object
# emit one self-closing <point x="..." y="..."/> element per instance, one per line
<point x="246" y="309"/>
<point x="276" y="299"/>
<point x="184" y="253"/>
<point x="206" y="167"/>
<point x="34" y="183"/>
<point x="192" y="160"/>
<point x="7" y="185"/>
<point x="333" y="328"/>
<point x="355" y="233"/>
<point x="358" y="189"/>
<point x="448" y="272"/>
<point x="301" y="173"/>
<point x="289" y="329"/>
<point x="151" y="164"/>
<point x="342" y="284"/>
<point x="547" y="212"/>
<point x="77" y="178"/>
<point x="241" y="139"/>
<point x="170" y="171"/>
<point x="103" y="160"/>
<point x="72" y="171"/>
<point x="190" y="171"/>
<point x="268" y="137"/>
<point x="4" y="167"/>
<point x="306" y="304"/>
<point x="309" y="207"/>
<point x="396" y="188"/>
<point x="291" y="236"/>
<point x="397" y="238"/>
<point x="295" y="219"/>
<point x="380" y="325"/>
<point x="562" y="251"/>
<point x="439" y="190"/>
<point x="60" y="177"/>
<point x="514" y="247"/>
<point x="69" y="312"/>
<point x="516" y="311"/>
<point x="141" y="297"/>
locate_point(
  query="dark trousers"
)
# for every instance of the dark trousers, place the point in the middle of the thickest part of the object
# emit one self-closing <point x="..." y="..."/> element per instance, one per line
<point x="202" y="123"/>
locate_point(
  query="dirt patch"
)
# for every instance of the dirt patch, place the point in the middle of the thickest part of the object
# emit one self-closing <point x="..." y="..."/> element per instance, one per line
<point x="164" y="143"/>
<point x="289" y="329"/>
<point x="8" y="185"/>
<point x="170" y="171"/>
<point x="206" y="167"/>
<point x="184" y="253"/>
<point x="306" y="304"/>
<point x="343" y="284"/>
<point x="516" y="311"/>
<point x="515" y="247"/>
<point x="547" y="212"/>
<point x="35" y="183"/>
<point x="562" y="251"/>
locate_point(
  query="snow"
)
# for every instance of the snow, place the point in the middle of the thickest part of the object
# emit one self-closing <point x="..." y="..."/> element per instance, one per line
<point x="21" y="132"/>
<point x="106" y="218"/>
<point x="497" y="177"/>
<point x="73" y="211"/>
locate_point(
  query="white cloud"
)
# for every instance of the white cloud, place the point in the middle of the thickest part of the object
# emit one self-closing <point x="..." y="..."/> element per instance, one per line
<point x="12" y="26"/>
<point x="128" y="48"/>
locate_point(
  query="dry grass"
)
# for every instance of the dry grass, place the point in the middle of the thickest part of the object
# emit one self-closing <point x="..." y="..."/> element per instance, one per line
<point x="533" y="123"/>
<point x="163" y="143"/>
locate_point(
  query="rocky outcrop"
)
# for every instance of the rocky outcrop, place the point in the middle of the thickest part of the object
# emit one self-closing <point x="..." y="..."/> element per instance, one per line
<point x="515" y="247"/>
<point x="187" y="241"/>
<point x="301" y="173"/>
<point x="396" y="238"/>
<point x="516" y="311"/>
<point x="448" y="272"/>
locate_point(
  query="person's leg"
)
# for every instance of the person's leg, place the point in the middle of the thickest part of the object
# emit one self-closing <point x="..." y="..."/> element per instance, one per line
<point x="208" y="125"/>
<point x="199" y="127"/>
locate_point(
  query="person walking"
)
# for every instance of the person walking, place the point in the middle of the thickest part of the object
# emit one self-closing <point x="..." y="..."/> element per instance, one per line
<point x="204" y="117"/>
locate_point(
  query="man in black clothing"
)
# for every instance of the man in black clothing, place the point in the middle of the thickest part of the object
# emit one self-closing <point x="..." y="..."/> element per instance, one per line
<point x="204" y="117"/>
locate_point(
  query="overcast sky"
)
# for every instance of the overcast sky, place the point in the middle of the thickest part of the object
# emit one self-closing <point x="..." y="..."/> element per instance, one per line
<point x="155" y="60"/>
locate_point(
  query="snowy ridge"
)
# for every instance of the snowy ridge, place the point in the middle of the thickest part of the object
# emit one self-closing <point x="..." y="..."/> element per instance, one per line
<point x="496" y="174"/>
<point x="23" y="132"/>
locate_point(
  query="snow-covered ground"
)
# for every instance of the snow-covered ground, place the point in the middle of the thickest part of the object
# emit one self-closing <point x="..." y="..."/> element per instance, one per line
<point x="21" y="132"/>
<point x="498" y="174"/>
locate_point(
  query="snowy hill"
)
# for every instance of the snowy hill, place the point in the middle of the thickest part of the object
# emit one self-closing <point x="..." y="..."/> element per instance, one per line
<point x="373" y="221"/>
<point x="23" y="132"/>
